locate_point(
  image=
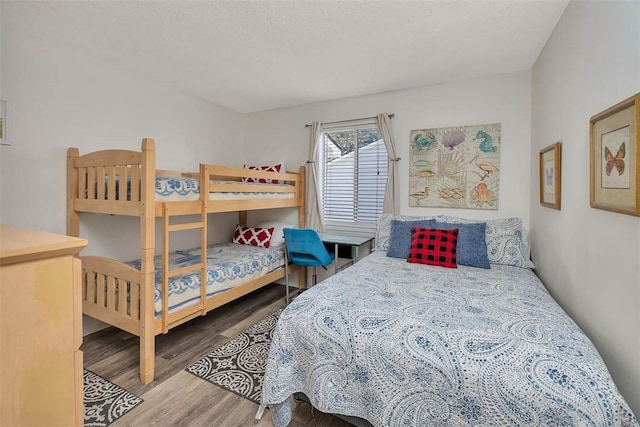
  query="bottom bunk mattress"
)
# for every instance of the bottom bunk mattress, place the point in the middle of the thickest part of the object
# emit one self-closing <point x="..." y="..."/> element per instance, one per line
<point x="228" y="265"/>
<point x="401" y="344"/>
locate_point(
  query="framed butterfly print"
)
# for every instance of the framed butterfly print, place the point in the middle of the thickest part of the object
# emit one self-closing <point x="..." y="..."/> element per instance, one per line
<point x="550" y="175"/>
<point x="615" y="157"/>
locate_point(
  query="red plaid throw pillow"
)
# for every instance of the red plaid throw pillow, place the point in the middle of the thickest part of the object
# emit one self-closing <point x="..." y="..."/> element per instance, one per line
<point x="253" y="236"/>
<point x="274" y="168"/>
<point x="433" y="246"/>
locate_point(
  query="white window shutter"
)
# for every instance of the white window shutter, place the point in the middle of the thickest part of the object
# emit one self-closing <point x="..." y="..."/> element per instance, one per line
<point x="352" y="181"/>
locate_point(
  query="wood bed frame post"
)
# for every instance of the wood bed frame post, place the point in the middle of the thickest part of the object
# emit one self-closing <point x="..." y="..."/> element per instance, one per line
<point x="147" y="268"/>
<point x="73" y="219"/>
<point x="204" y="235"/>
<point x="164" y="290"/>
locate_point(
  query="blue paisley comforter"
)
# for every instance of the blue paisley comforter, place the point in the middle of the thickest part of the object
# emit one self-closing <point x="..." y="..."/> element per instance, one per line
<point x="402" y="344"/>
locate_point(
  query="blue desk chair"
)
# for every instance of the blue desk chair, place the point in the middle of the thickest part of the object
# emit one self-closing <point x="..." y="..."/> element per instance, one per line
<point x="304" y="247"/>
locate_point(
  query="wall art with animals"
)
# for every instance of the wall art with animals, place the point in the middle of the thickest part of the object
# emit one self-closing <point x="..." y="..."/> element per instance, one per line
<point x="455" y="167"/>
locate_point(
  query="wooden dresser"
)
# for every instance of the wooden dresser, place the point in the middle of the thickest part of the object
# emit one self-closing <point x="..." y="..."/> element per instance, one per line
<point x="41" y="381"/>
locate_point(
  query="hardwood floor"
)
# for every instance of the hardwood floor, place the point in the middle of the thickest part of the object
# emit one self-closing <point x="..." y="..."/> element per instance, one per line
<point x="178" y="398"/>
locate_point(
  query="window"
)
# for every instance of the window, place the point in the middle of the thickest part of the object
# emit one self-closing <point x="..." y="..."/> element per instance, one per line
<point x="353" y="175"/>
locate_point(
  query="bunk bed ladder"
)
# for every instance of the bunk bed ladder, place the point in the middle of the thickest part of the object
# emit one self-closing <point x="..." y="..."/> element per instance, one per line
<point x="169" y="210"/>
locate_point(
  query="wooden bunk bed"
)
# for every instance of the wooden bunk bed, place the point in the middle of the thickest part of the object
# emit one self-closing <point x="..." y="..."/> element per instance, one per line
<point x="122" y="182"/>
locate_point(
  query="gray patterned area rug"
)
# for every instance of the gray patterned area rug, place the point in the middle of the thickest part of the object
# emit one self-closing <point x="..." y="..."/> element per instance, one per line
<point x="104" y="401"/>
<point x="239" y="364"/>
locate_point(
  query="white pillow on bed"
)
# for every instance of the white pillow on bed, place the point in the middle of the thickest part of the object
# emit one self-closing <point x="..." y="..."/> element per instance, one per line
<point x="277" y="239"/>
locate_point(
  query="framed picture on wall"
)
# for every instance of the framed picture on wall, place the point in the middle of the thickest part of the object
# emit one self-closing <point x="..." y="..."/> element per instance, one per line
<point x="550" y="176"/>
<point x="614" y="158"/>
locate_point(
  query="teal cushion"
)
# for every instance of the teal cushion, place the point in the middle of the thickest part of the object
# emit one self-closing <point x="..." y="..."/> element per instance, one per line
<point x="400" y="237"/>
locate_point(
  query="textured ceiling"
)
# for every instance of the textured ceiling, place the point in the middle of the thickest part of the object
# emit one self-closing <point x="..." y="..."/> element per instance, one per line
<point x="259" y="55"/>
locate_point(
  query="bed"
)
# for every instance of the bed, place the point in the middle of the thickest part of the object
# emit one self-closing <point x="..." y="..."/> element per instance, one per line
<point x="395" y="343"/>
<point x="164" y="288"/>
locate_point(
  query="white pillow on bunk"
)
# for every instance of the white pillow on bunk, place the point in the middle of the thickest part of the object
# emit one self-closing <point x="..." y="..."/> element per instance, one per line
<point x="277" y="238"/>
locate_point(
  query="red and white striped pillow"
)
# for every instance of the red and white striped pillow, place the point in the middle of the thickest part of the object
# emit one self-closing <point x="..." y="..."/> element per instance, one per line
<point x="275" y="168"/>
<point x="254" y="236"/>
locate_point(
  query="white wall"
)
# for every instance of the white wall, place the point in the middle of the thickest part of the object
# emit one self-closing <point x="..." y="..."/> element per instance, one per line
<point x="502" y="99"/>
<point x="589" y="259"/>
<point x="59" y="98"/>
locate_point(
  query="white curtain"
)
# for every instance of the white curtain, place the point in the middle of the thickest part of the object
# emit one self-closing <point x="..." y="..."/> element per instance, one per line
<point x="391" y="203"/>
<point x="314" y="201"/>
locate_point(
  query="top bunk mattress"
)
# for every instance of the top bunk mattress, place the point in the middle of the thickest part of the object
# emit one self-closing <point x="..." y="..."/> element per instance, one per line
<point x="177" y="189"/>
<point x="185" y="189"/>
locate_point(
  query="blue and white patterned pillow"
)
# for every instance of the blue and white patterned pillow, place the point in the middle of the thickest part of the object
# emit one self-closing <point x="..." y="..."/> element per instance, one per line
<point x="506" y="240"/>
